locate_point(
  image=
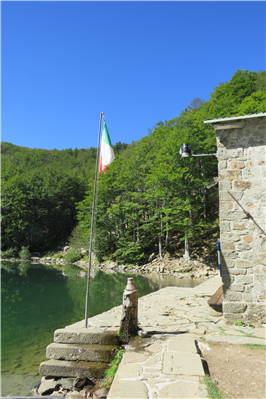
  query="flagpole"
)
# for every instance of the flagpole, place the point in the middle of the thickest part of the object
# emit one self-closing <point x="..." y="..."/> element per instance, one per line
<point x="92" y="223"/>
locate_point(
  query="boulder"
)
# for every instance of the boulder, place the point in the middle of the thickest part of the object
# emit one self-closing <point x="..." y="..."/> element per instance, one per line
<point x="48" y="386"/>
<point x="100" y="394"/>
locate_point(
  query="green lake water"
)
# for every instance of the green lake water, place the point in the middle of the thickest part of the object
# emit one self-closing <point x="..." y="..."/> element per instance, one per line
<point x="37" y="299"/>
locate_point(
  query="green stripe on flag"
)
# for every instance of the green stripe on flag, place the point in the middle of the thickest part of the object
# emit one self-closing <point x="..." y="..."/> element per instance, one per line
<point x="105" y="135"/>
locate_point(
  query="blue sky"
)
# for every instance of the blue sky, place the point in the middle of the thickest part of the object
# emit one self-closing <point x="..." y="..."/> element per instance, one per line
<point x="63" y="63"/>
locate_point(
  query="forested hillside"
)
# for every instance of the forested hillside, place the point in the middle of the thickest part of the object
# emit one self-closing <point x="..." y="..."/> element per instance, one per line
<point x="39" y="190"/>
<point x="150" y="198"/>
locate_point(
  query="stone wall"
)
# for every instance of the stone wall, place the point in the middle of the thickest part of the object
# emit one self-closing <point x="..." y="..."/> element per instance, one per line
<point x="242" y="171"/>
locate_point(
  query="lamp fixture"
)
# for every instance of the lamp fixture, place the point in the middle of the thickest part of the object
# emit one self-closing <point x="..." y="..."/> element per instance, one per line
<point x="185" y="151"/>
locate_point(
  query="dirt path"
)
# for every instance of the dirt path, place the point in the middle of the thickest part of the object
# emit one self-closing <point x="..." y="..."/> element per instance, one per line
<point x="237" y="370"/>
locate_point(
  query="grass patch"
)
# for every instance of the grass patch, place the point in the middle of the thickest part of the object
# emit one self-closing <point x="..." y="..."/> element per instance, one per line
<point x="109" y="374"/>
<point x="255" y="346"/>
<point x="222" y="330"/>
<point x="213" y="391"/>
<point x="249" y="335"/>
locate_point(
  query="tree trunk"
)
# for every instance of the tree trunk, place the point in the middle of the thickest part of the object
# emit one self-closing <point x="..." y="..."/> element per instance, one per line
<point x="160" y="238"/>
<point x="187" y="252"/>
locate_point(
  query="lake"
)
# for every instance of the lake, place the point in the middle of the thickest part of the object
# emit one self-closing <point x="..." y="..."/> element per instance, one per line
<point x="37" y="299"/>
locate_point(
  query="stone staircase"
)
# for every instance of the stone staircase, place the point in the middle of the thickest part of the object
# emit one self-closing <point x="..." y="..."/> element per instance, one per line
<point x="79" y="352"/>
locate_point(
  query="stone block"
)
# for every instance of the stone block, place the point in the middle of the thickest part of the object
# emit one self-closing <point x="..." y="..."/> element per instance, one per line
<point x="225" y="205"/>
<point x="230" y="263"/>
<point x="237" y="165"/>
<point x="229" y="254"/>
<point x="133" y="357"/>
<point x="227" y="245"/>
<point x="128" y="390"/>
<point x="242" y="185"/>
<point x="63" y="368"/>
<point x="247" y="298"/>
<point x="248" y="239"/>
<point x="239" y="226"/>
<point x="229" y="154"/>
<point x="233" y="236"/>
<point x="243" y="264"/>
<point x="243" y="246"/>
<point x="229" y="174"/>
<point x="129" y="370"/>
<point x="182" y="390"/>
<point x="246" y="174"/>
<point x="233" y="297"/>
<point x="244" y="280"/>
<point x="85" y="336"/>
<point x="225" y="227"/>
<point x="237" y="287"/>
<point x="88" y="353"/>
<point x="248" y="255"/>
<point x="238" y="271"/>
<point x="228" y="279"/>
<point x="262" y="261"/>
<point x="256" y="312"/>
<point x="233" y="216"/>
<point x="182" y="364"/>
<point x="222" y="165"/>
<point x="182" y="345"/>
<point x="231" y="307"/>
<point x="225" y="185"/>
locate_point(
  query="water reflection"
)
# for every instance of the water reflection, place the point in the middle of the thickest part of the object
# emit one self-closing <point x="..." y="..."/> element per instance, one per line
<point x="37" y="299"/>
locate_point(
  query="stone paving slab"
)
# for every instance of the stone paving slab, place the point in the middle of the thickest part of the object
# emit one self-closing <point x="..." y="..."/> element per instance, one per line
<point x="235" y="340"/>
<point x="181" y="389"/>
<point x="182" y="363"/>
<point x="182" y="345"/>
<point x="128" y="390"/>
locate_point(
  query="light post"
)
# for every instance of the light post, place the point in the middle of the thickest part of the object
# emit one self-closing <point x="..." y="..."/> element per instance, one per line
<point x="185" y="152"/>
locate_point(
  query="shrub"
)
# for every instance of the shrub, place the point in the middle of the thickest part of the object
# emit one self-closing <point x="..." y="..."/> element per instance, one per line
<point x="9" y="253"/>
<point x="24" y="253"/>
<point x="72" y="256"/>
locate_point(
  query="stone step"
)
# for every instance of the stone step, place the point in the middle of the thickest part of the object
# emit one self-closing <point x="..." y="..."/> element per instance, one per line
<point x="84" y="352"/>
<point x="63" y="368"/>
<point x="83" y="336"/>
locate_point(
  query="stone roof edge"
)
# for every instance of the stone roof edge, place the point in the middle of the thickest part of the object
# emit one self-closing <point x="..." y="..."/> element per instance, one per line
<point x="235" y="118"/>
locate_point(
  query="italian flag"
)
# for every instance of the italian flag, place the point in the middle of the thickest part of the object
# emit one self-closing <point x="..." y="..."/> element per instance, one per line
<point x="107" y="152"/>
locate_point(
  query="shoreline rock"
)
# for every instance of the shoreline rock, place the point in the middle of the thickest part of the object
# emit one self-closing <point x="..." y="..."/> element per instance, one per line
<point x="176" y="267"/>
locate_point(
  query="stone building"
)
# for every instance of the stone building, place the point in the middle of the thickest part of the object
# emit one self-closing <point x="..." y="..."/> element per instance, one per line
<point x="241" y="153"/>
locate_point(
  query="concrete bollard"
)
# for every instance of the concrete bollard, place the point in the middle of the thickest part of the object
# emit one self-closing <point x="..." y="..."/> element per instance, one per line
<point x="129" y="316"/>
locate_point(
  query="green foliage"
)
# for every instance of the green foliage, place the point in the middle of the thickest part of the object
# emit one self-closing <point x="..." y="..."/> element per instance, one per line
<point x="213" y="391"/>
<point x="9" y="253"/>
<point x="109" y="374"/>
<point x="72" y="256"/>
<point x="255" y="346"/>
<point x="24" y="253"/>
<point x="239" y="323"/>
<point x="39" y="190"/>
<point x="256" y="102"/>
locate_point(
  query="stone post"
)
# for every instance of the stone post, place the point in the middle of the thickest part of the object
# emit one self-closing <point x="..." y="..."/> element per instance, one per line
<point x="129" y="316"/>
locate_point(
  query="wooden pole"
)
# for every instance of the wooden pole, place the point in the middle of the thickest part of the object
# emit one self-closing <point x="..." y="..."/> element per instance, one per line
<point x="92" y="223"/>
